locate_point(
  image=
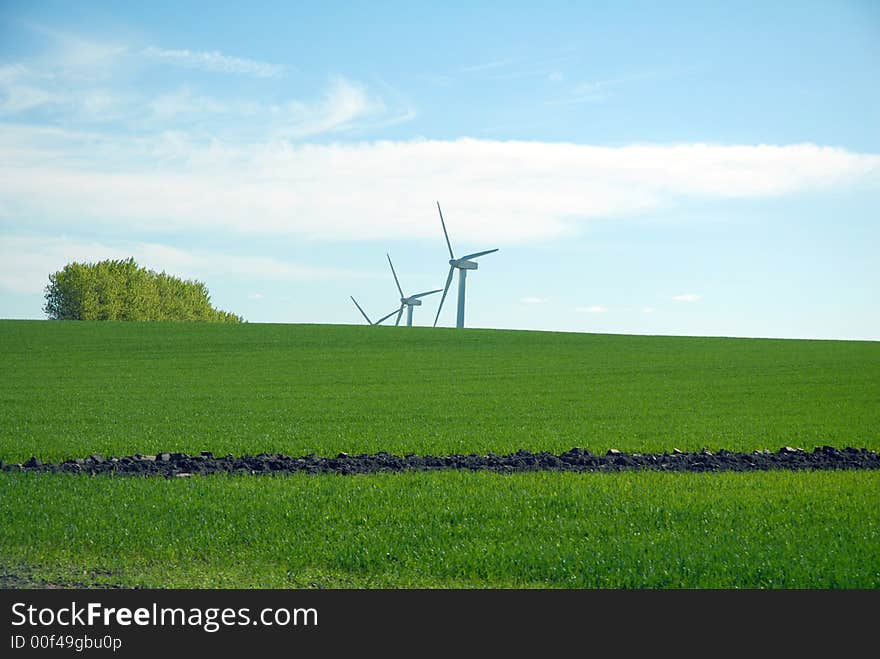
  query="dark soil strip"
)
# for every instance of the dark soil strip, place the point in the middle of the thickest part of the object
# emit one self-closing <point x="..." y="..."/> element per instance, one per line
<point x="577" y="459"/>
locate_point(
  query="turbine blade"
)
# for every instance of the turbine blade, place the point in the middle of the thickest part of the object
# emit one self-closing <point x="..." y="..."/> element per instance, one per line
<point x="399" y="314"/>
<point x="476" y="254"/>
<point x="412" y="297"/>
<point x="448" y="244"/>
<point x="362" y="311"/>
<point x="388" y="316"/>
<point x="445" y="290"/>
<point x="395" y="276"/>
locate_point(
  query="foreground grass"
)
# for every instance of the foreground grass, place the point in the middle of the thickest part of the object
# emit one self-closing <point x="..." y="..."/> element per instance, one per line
<point x="452" y="529"/>
<point x="69" y="389"/>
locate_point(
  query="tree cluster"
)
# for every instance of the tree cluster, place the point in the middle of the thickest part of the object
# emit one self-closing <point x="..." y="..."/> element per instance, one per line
<point x="121" y="290"/>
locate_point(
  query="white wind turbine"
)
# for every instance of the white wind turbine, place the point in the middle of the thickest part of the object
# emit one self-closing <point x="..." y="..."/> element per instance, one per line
<point x="462" y="265"/>
<point x="408" y="302"/>
<point x="396" y="311"/>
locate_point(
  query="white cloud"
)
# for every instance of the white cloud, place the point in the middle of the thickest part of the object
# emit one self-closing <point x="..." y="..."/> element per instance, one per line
<point x="492" y="192"/>
<point x="256" y="296"/>
<point x="686" y="297"/>
<point x="593" y="309"/>
<point x="214" y="61"/>
<point x="26" y="262"/>
<point x="648" y="310"/>
<point x="344" y="103"/>
<point x="532" y="300"/>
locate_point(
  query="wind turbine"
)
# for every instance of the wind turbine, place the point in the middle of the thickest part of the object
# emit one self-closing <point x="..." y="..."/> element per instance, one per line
<point x="408" y="302"/>
<point x="463" y="265"/>
<point x="396" y="311"/>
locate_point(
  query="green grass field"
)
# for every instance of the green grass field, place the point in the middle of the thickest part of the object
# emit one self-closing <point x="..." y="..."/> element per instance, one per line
<point x="70" y="389"/>
<point x="453" y="529"/>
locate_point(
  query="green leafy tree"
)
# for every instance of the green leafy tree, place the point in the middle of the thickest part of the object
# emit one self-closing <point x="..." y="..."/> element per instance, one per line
<point x="121" y="290"/>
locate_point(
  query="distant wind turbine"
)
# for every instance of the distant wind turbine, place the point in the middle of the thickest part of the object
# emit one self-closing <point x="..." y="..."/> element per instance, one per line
<point x="396" y="311"/>
<point x="463" y="265"/>
<point x="408" y="302"/>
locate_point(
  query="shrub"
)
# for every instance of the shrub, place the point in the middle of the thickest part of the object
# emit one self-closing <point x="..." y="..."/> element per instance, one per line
<point x="121" y="290"/>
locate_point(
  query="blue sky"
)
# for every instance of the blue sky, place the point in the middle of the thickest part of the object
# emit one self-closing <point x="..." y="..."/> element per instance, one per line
<point x="643" y="168"/>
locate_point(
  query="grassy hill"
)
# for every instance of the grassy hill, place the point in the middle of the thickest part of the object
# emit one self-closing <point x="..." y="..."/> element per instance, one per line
<point x="71" y="389"/>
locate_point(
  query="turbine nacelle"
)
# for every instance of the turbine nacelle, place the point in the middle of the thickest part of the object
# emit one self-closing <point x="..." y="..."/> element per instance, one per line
<point x="463" y="264"/>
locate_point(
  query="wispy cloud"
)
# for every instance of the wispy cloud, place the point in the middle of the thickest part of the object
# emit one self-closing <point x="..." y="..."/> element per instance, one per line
<point x="491" y="65"/>
<point x="26" y="261"/>
<point x="593" y="309"/>
<point x="72" y="81"/>
<point x="74" y="56"/>
<point x="584" y="92"/>
<point x="82" y="105"/>
<point x="686" y="297"/>
<point x="214" y="61"/>
<point x="515" y="68"/>
<point x="79" y="80"/>
<point x="20" y="90"/>
<point x="438" y="79"/>
<point x="344" y="103"/>
<point x="648" y="310"/>
<point x="532" y="300"/>
<point x="185" y="101"/>
<point x="596" y="91"/>
<point x="27" y="87"/>
<point x="10" y="73"/>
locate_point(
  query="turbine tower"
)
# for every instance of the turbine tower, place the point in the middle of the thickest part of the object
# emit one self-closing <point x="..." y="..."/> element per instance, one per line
<point x="462" y="265"/>
<point x="396" y="311"/>
<point x="408" y="302"/>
